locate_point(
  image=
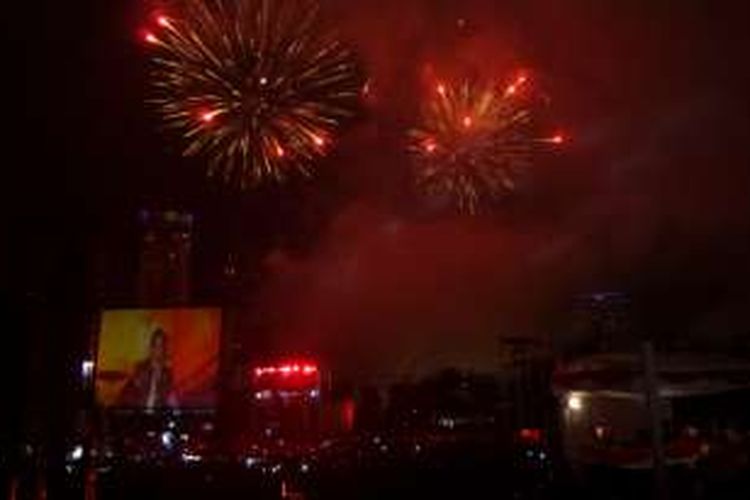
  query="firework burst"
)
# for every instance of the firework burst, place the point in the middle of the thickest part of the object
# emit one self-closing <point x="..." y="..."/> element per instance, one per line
<point x="475" y="142"/>
<point x="259" y="87"/>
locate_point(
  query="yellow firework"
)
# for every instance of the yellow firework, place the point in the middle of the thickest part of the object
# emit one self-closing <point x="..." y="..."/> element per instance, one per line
<point x="475" y="141"/>
<point x="259" y="87"/>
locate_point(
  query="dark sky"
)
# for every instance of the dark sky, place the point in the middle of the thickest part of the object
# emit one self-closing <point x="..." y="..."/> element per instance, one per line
<point x="650" y="196"/>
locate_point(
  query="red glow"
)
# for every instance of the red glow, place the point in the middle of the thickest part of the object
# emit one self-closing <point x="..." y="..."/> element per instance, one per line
<point x="441" y="89"/>
<point x="163" y="21"/>
<point x="280" y="151"/>
<point x="510" y="90"/>
<point x="348" y="414"/>
<point x="430" y="147"/>
<point x="557" y="139"/>
<point x="151" y="38"/>
<point x="309" y="369"/>
<point x="531" y="435"/>
<point x="318" y="141"/>
<point x="468" y="122"/>
<point x="287" y="369"/>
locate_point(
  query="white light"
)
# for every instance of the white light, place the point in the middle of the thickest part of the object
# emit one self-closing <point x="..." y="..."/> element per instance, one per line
<point x="314" y="393"/>
<point x="260" y="395"/>
<point x="76" y="453"/>
<point x="250" y="462"/>
<point x="575" y="402"/>
<point x="167" y="439"/>
<point x="87" y="369"/>
<point x="446" y="422"/>
<point x="304" y="468"/>
<point x="191" y="458"/>
<point x="599" y="431"/>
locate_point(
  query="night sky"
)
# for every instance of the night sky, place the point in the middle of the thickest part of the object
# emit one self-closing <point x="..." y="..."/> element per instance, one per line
<point x="650" y="196"/>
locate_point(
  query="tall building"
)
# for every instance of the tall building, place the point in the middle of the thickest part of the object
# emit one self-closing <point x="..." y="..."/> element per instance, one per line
<point x="527" y="365"/>
<point x="164" y="258"/>
<point x="601" y="322"/>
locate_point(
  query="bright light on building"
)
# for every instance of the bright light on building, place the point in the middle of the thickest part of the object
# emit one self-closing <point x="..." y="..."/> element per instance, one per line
<point x="600" y="432"/>
<point x="191" y="458"/>
<point x="76" y="453"/>
<point x="261" y="395"/>
<point x="575" y="402"/>
<point x="87" y="369"/>
<point x="167" y="439"/>
<point x="286" y="369"/>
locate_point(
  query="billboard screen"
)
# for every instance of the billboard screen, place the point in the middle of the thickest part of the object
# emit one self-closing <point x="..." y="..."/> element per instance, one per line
<point x="158" y="358"/>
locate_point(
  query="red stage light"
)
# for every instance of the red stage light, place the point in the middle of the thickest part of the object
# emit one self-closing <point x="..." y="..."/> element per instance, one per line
<point x="286" y="369"/>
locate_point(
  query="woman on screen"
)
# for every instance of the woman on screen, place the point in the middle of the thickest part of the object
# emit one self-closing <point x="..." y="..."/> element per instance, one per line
<point x="150" y="387"/>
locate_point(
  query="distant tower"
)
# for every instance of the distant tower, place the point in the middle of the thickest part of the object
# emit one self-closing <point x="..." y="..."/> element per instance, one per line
<point x="527" y="364"/>
<point x="602" y="322"/>
<point x="165" y="258"/>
